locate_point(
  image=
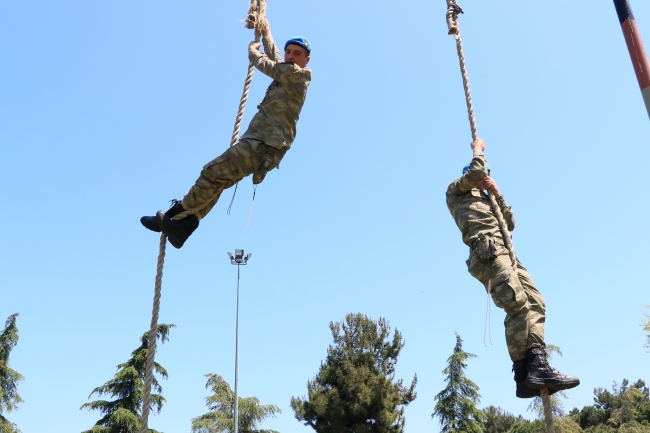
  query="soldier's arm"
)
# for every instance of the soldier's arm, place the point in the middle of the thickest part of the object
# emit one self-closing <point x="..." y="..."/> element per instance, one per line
<point x="270" y="49"/>
<point x="472" y="177"/>
<point x="283" y="72"/>
<point x="506" y="210"/>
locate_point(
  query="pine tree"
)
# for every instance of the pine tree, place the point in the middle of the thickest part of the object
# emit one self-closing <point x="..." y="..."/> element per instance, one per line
<point x="122" y="415"/>
<point x="456" y="404"/>
<point x="221" y="403"/>
<point x="9" y="378"/>
<point x="355" y="390"/>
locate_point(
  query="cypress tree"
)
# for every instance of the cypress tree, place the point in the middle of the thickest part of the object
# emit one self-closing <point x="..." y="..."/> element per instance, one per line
<point x="456" y="404"/>
<point x="221" y="417"/>
<point x="122" y="415"/>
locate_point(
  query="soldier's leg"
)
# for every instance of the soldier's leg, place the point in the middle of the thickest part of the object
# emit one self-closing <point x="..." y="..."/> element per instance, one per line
<point x="537" y="315"/>
<point x="539" y="373"/>
<point x="217" y="175"/>
<point x="223" y="172"/>
<point x="495" y="275"/>
<point x="508" y="294"/>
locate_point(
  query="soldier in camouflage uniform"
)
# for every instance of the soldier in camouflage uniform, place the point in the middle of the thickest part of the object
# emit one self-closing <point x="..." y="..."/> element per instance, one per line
<point x="513" y="291"/>
<point x="269" y="135"/>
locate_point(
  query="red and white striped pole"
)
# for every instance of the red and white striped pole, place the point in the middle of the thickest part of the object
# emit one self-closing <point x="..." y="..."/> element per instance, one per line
<point x="635" y="46"/>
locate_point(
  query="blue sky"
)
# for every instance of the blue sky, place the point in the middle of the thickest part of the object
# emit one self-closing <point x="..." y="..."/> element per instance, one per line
<point x="110" y="109"/>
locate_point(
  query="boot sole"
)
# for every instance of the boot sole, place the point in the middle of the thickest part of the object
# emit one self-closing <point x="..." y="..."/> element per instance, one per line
<point x="554" y="384"/>
<point x="175" y="242"/>
<point x="153" y="226"/>
<point x="529" y="393"/>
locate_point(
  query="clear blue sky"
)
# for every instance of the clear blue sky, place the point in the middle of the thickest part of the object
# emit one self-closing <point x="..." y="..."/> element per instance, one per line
<point x="110" y="109"/>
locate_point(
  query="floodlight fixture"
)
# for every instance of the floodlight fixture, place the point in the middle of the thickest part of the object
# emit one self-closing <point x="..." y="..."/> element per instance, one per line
<point x="239" y="258"/>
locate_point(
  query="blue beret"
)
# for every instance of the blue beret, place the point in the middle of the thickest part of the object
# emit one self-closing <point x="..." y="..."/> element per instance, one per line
<point x="467" y="168"/>
<point x="300" y="41"/>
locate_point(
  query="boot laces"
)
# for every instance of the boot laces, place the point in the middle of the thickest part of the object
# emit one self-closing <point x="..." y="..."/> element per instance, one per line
<point x="545" y="365"/>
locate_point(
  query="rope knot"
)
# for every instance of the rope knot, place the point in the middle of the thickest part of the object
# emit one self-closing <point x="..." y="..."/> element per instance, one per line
<point x="452" y="16"/>
<point x="257" y="16"/>
<point x="257" y="22"/>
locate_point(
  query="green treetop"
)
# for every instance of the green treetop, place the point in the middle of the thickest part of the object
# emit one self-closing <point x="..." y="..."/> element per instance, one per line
<point x="456" y="404"/>
<point x="355" y="390"/>
<point x="122" y="415"/>
<point x="9" y="378"/>
<point x="221" y="403"/>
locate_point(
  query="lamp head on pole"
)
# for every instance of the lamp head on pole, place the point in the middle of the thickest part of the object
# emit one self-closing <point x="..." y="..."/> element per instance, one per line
<point x="239" y="258"/>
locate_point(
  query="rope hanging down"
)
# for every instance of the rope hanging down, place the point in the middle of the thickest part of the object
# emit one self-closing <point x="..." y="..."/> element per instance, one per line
<point x="454" y="29"/>
<point x="256" y="20"/>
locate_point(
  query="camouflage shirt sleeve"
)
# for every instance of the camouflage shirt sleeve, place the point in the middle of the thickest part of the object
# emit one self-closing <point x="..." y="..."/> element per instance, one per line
<point x="285" y="73"/>
<point x="508" y="215"/>
<point x="270" y="49"/>
<point x="472" y="177"/>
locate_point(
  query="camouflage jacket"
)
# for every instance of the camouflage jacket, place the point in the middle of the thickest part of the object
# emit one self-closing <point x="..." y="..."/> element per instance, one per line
<point x="275" y="122"/>
<point x="471" y="208"/>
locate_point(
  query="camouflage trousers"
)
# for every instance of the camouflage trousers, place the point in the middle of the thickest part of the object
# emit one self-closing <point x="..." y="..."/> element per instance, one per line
<point x="516" y="294"/>
<point x="233" y="165"/>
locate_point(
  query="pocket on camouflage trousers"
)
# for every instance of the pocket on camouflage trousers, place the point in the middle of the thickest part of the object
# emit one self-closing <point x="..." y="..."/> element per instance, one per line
<point x="506" y="292"/>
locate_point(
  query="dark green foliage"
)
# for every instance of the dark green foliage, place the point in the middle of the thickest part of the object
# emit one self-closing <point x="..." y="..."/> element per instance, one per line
<point x="498" y="420"/>
<point x="355" y="391"/>
<point x="592" y="417"/>
<point x="220" y="419"/>
<point x="456" y="404"/>
<point x="528" y="427"/>
<point x="9" y="378"/>
<point x="602" y="428"/>
<point x="625" y="409"/>
<point x="122" y="415"/>
<point x="7" y="426"/>
<point x="566" y="425"/>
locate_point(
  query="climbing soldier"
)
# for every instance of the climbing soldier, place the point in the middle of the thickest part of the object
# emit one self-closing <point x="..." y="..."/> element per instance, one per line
<point x="513" y="291"/>
<point x="270" y="134"/>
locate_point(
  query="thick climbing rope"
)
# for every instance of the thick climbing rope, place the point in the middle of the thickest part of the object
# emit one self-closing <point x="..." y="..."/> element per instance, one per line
<point x="454" y="29"/>
<point x="153" y="331"/>
<point x="256" y="20"/>
<point x="452" y="22"/>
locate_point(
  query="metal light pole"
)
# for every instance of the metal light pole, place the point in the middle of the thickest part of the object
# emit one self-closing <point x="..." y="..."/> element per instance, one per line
<point x="635" y="47"/>
<point x="238" y="260"/>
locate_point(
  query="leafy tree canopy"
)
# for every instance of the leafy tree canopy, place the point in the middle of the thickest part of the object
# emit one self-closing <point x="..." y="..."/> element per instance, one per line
<point x="355" y="390"/>
<point x="498" y="420"/>
<point x="625" y="409"/>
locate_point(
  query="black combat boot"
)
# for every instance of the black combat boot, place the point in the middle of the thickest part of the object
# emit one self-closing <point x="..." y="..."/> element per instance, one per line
<point x="177" y="230"/>
<point x="542" y="375"/>
<point x="151" y="222"/>
<point x="521" y="372"/>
